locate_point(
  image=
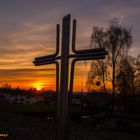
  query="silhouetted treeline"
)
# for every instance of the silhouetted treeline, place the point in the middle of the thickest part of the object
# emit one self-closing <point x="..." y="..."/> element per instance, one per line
<point x="119" y="73"/>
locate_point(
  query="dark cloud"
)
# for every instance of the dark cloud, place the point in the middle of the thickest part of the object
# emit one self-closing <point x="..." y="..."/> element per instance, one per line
<point x="32" y="22"/>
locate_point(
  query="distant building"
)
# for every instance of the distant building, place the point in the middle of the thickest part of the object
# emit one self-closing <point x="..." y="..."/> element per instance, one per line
<point x="36" y="100"/>
<point x="20" y="99"/>
<point x="18" y="96"/>
<point x="10" y="98"/>
<point x="5" y="98"/>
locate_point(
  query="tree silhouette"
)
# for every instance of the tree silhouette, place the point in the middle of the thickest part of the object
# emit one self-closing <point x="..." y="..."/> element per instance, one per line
<point x="117" y="40"/>
<point x="125" y="79"/>
<point x="98" y="40"/>
<point x="135" y="63"/>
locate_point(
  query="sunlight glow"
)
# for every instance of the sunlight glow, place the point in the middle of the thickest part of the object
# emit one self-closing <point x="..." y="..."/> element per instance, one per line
<point x="38" y="85"/>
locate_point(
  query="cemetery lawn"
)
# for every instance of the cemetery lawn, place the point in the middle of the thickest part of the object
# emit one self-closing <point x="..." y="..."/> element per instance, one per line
<point x="27" y="108"/>
<point x="33" y="108"/>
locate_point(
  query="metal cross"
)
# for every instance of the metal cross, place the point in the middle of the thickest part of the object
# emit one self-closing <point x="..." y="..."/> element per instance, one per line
<point x="63" y="96"/>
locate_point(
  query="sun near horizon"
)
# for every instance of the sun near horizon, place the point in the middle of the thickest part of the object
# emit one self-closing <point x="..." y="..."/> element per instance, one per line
<point x="38" y="85"/>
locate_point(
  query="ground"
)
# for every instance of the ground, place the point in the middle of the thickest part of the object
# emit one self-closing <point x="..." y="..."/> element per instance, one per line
<point x="26" y="127"/>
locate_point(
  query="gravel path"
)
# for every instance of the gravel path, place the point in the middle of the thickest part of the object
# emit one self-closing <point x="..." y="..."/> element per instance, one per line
<point x="22" y="127"/>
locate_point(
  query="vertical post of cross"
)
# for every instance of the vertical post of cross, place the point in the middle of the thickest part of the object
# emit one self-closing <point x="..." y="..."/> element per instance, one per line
<point x="63" y="117"/>
<point x="64" y="100"/>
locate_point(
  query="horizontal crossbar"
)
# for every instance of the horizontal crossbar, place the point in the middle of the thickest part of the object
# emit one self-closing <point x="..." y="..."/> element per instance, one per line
<point x="78" y="58"/>
<point x="78" y="55"/>
<point x="90" y="51"/>
<point x="57" y="45"/>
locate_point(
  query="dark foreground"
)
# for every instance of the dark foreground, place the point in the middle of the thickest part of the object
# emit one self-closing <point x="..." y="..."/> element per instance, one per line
<point x="25" y="127"/>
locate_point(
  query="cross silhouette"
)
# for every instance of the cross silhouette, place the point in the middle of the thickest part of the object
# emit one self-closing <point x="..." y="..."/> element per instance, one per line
<point x="63" y="96"/>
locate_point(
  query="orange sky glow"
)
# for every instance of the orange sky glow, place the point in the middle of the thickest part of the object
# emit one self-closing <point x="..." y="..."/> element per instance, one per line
<point x="41" y="78"/>
<point x="28" y="30"/>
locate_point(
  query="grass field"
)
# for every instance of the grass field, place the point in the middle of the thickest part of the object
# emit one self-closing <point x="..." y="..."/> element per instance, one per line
<point x="33" y="108"/>
<point x="26" y="108"/>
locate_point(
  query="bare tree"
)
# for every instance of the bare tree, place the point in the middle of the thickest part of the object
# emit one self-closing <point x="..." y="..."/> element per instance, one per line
<point x="98" y="40"/>
<point x="119" y="40"/>
<point x="125" y="79"/>
<point x="135" y="62"/>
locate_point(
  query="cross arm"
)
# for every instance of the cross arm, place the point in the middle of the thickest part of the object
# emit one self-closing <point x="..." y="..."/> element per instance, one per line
<point x="78" y="56"/>
<point x="93" y="54"/>
<point x="57" y="46"/>
<point x="86" y="51"/>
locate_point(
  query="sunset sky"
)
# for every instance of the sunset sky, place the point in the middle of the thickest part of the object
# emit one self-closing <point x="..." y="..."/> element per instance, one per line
<point x="27" y="30"/>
